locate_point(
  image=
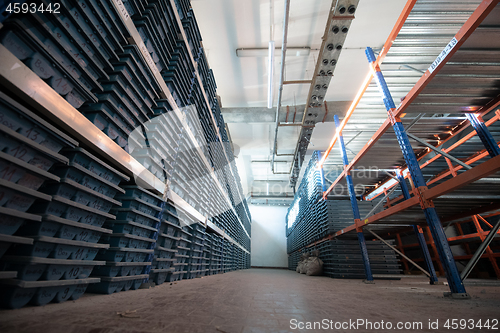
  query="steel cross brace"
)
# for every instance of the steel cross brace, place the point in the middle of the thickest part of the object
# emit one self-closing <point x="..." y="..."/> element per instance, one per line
<point x="445" y="255"/>
<point x="354" y="205"/>
<point x="438" y="151"/>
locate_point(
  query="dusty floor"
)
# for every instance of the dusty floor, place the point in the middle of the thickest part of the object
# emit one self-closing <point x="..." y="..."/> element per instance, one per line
<point x="258" y="300"/>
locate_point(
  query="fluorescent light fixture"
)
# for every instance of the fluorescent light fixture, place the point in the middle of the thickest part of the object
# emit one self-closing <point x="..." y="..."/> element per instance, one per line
<point x="270" y="74"/>
<point x="264" y="52"/>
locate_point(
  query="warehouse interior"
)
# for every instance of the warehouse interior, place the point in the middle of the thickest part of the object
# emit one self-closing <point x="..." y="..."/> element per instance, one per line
<point x="173" y="165"/>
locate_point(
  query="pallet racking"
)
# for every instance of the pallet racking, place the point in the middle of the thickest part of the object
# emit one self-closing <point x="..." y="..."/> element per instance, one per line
<point x="459" y="88"/>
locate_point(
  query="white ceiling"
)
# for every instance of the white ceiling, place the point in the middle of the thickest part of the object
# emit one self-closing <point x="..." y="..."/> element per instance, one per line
<point x="226" y="25"/>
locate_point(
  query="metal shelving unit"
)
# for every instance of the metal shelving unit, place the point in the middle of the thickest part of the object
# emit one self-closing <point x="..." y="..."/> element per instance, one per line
<point x="44" y="98"/>
<point x="165" y="91"/>
<point x="457" y="95"/>
<point x="102" y="103"/>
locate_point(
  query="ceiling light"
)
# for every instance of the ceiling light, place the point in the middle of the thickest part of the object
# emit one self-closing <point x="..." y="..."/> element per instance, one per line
<point x="270" y="72"/>
<point x="264" y="52"/>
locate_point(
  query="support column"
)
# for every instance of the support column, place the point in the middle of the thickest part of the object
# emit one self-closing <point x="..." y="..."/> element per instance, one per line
<point x="445" y="255"/>
<point x="354" y="206"/>
<point x="484" y="134"/>
<point x="420" y="235"/>
<point x="435" y="251"/>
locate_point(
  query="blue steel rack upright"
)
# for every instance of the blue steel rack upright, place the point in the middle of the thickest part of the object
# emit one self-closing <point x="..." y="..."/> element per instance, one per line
<point x="354" y="205"/>
<point x="484" y="134"/>
<point x="445" y="254"/>
<point x="419" y="233"/>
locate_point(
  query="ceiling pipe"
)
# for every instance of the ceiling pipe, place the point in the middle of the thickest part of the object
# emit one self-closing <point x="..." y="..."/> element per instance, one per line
<point x="270" y="70"/>
<point x="282" y="78"/>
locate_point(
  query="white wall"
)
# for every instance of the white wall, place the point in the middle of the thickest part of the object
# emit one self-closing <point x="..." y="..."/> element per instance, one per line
<point x="268" y="236"/>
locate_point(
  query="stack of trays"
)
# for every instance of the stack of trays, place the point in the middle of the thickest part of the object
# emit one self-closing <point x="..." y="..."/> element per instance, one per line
<point x="72" y="53"/>
<point x="196" y="266"/>
<point x="179" y="73"/>
<point x="186" y="176"/>
<point x="44" y="239"/>
<point x="46" y="56"/>
<point x="160" y="18"/>
<point x="215" y="254"/>
<point x="342" y="259"/>
<point x="192" y="33"/>
<point x="314" y="219"/>
<point x="293" y="260"/>
<point x="153" y="42"/>
<point x="207" y="253"/>
<point x="182" y="7"/>
<point x="81" y="203"/>
<point x="227" y="256"/>
<point x="84" y="54"/>
<point x="102" y="18"/>
<point x="79" y="18"/>
<point x="132" y="241"/>
<point x="162" y="139"/>
<point x="133" y="7"/>
<point x="194" y="124"/>
<point x="128" y="74"/>
<point x="141" y="78"/>
<point x="211" y="90"/>
<point x="182" y="245"/>
<point x="165" y="255"/>
<point x="197" y="98"/>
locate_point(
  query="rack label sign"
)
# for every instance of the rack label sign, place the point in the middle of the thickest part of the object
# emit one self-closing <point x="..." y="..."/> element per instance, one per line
<point x="443" y="54"/>
<point x="122" y="10"/>
<point x="147" y="57"/>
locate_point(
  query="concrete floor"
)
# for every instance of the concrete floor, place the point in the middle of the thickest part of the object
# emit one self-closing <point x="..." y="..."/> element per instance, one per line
<point x="256" y="300"/>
